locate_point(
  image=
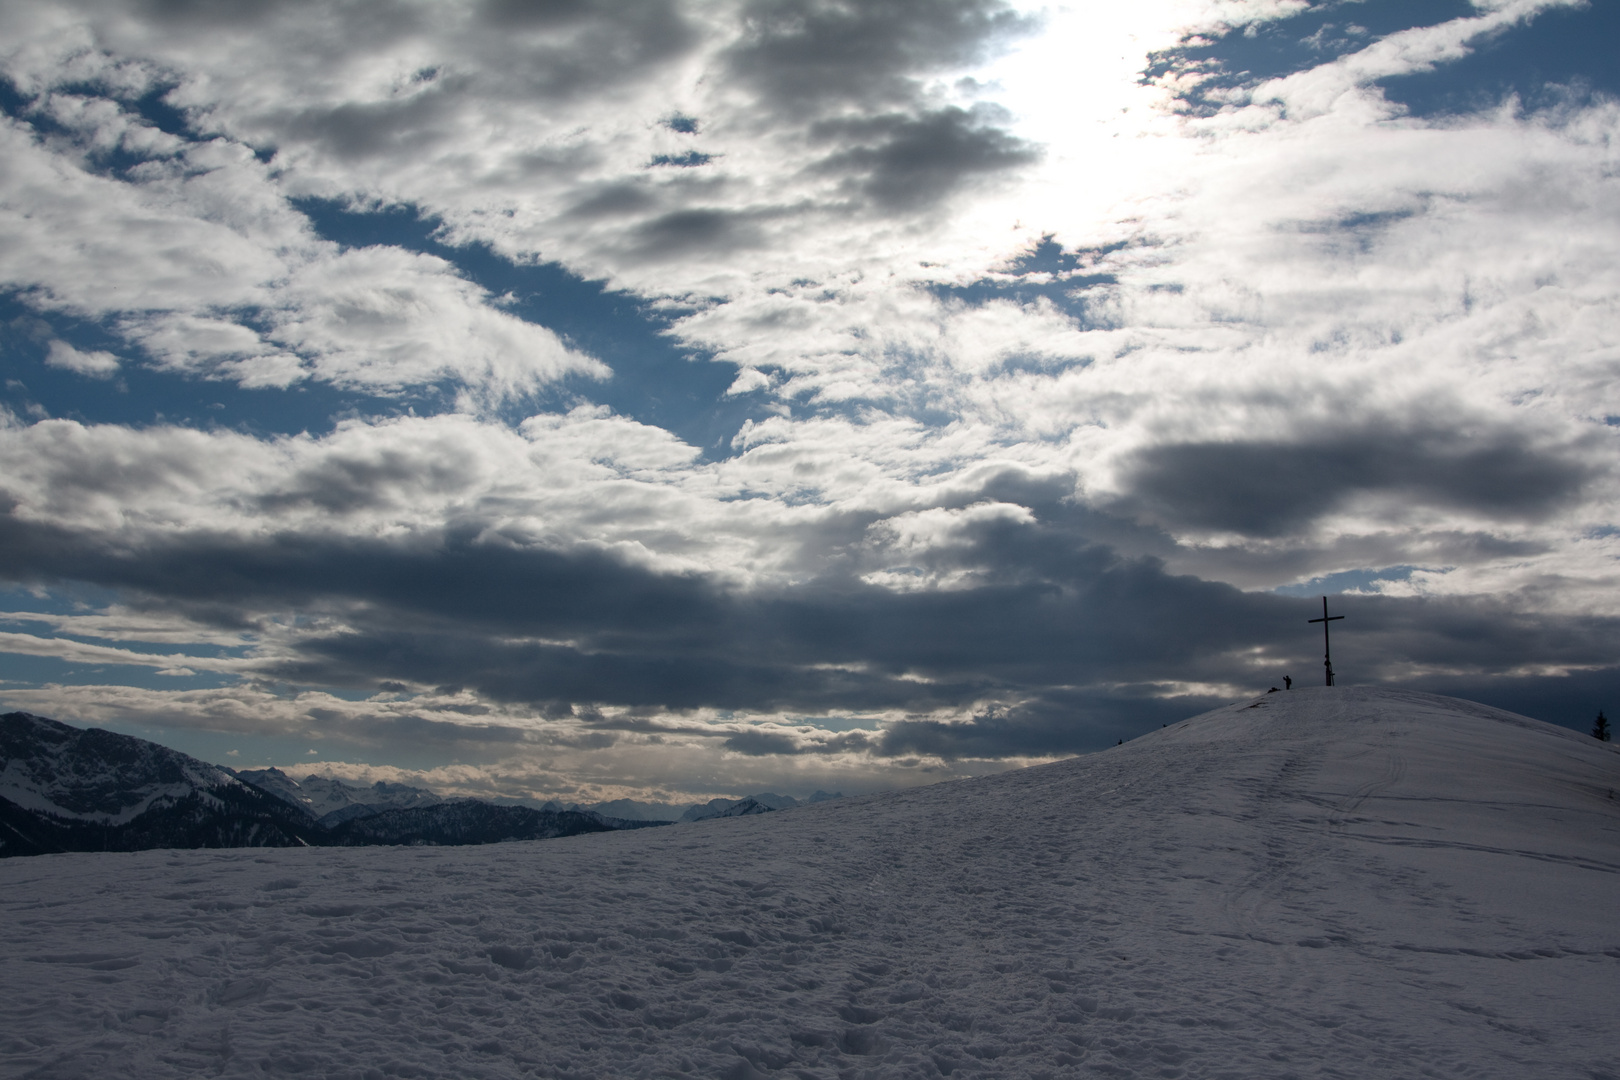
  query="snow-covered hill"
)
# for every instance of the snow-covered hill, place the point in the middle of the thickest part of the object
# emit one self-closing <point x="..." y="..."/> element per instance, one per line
<point x="1328" y="882"/>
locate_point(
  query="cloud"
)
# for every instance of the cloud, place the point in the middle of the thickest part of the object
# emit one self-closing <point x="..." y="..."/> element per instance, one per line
<point x="694" y="231"/>
<point x="387" y="319"/>
<point x="119" y="623"/>
<point x="904" y="162"/>
<point x="1277" y="486"/>
<point x="1020" y="605"/>
<point x="97" y="364"/>
<point x="208" y="271"/>
<point x="1043" y="382"/>
<point x="801" y="56"/>
<point x="761" y="744"/>
<point x="416" y="122"/>
<point x="81" y="653"/>
<point x="501" y="752"/>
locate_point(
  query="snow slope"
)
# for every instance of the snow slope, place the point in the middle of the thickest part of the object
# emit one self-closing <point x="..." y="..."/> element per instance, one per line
<point x="1330" y="882"/>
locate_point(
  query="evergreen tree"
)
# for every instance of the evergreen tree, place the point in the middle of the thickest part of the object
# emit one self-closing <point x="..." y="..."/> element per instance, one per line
<point x="1600" y="728"/>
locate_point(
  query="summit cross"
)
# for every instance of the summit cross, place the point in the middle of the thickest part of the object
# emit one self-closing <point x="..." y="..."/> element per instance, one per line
<point x="1327" y="646"/>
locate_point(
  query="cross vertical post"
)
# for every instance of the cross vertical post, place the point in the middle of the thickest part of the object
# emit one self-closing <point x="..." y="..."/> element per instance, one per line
<point x="1327" y="646"/>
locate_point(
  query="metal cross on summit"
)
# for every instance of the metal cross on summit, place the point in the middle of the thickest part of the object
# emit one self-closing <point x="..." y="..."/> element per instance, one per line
<point x="1327" y="646"/>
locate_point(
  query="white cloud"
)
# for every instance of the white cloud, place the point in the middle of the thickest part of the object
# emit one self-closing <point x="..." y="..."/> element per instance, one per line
<point x="80" y="653"/>
<point x="1341" y="84"/>
<point x="386" y="319"/>
<point x="118" y="623"/>
<point x="200" y="235"/>
<point x="97" y="364"/>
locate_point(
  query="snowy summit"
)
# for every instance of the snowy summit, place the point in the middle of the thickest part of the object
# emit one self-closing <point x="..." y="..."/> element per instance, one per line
<point x="1345" y="881"/>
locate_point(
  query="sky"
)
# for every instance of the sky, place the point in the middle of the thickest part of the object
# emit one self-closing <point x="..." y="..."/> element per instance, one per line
<point x="597" y="399"/>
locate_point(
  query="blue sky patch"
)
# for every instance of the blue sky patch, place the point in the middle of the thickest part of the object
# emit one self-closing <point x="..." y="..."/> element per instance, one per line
<point x="1316" y="35"/>
<point x="1346" y="581"/>
<point x="139" y="395"/>
<point x="690" y="159"/>
<point x="1559" y="53"/>
<point x="655" y="379"/>
<point x="1047" y="271"/>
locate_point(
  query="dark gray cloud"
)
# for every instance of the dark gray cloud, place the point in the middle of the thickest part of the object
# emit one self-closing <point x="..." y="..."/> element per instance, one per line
<point x="353" y="131"/>
<point x="761" y="743"/>
<point x="695" y="230"/>
<point x="527" y="50"/>
<point x="851" y="78"/>
<point x="613" y="200"/>
<point x="1372" y="551"/>
<point x="548" y="14"/>
<point x="1077" y="642"/>
<point x="903" y="162"/>
<point x="1273" y="486"/>
<point x="571" y="47"/>
<point x="801" y="56"/>
<point x="356" y="484"/>
<point x="231" y="13"/>
<point x="420" y="729"/>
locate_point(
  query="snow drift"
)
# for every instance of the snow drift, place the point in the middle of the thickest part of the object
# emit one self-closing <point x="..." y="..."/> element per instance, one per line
<point x="1326" y="882"/>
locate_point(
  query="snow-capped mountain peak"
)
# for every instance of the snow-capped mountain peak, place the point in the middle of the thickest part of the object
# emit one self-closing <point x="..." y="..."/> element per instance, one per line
<point x="93" y="775"/>
<point x="330" y="800"/>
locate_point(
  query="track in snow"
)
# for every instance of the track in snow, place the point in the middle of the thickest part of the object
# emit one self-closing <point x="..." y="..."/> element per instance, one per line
<point x="1338" y="882"/>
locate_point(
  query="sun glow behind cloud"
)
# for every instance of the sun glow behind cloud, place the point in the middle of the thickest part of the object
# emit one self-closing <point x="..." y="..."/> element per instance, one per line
<point x="1077" y="90"/>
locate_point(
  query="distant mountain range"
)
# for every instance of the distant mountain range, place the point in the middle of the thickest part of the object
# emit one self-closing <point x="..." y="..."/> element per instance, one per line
<point x="332" y="802"/>
<point x="631" y="810"/>
<point x="64" y="788"/>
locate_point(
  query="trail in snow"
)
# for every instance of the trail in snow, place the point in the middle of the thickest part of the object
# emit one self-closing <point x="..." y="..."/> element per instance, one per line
<point x="1336" y="882"/>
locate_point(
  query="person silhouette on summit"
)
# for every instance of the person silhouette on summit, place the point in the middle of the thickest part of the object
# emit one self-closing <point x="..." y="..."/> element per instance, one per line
<point x="1288" y="682"/>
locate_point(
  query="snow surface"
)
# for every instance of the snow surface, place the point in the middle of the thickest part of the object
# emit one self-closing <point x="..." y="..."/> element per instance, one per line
<point x="1329" y="882"/>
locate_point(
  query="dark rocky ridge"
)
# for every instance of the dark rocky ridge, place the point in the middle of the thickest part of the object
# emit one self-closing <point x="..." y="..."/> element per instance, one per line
<point x="218" y="818"/>
<point x="71" y="789"/>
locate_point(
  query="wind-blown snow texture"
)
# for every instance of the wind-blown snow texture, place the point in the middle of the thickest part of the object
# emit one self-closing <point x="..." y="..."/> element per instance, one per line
<point x="1330" y="882"/>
